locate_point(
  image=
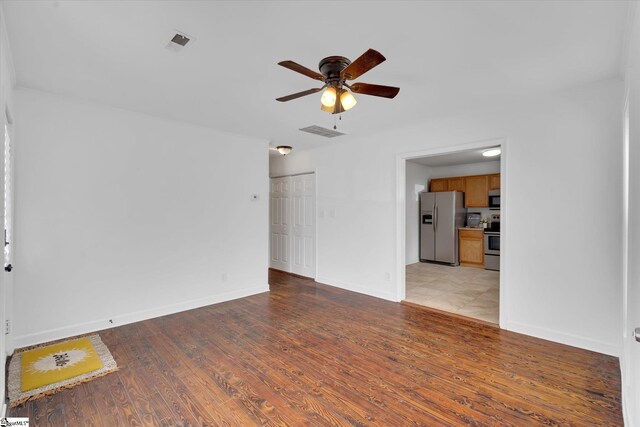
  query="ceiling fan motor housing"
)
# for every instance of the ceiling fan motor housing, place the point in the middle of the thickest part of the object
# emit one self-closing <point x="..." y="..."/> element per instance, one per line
<point x="331" y="66"/>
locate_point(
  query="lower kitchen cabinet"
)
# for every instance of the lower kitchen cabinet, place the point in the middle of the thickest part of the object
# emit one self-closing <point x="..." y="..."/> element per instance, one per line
<point x="471" y="246"/>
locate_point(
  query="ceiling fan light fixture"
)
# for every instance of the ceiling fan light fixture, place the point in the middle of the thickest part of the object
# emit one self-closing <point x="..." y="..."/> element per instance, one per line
<point x="284" y="149"/>
<point x="329" y="97"/>
<point x="347" y="100"/>
<point x="327" y="109"/>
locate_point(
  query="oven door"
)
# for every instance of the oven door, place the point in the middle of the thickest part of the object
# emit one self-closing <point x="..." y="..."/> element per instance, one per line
<point x="491" y="243"/>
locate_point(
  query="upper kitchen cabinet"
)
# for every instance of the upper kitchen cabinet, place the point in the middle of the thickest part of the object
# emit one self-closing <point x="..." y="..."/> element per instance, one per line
<point x="494" y="181"/>
<point x="441" y="184"/>
<point x="475" y="188"/>
<point x="476" y="191"/>
<point x="456" y="184"/>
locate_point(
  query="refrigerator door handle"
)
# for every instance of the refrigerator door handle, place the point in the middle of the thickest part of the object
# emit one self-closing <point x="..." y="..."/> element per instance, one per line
<point x="435" y="221"/>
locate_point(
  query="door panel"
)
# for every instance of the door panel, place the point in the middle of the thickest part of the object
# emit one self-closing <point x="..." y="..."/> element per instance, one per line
<point x="456" y="184"/>
<point x="304" y="228"/>
<point x="476" y="191"/>
<point x="441" y="184"/>
<point x="280" y="213"/>
<point x="292" y="224"/>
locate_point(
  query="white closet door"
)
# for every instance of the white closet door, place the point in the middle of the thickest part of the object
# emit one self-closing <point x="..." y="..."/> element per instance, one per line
<point x="304" y="225"/>
<point x="280" y="223"/>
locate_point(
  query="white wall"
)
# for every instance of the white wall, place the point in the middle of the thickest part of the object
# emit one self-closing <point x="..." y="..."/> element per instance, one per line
<point x="631" y="229"/>
<point x="469" y="169"/>
<point x="562" y="150"/>
<point x="125" y="216"/>
<point x="417" y="179"/>
<point x="7" y="81"/>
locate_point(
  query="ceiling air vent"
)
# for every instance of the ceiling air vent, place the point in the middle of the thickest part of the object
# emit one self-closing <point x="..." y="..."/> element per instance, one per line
<point x="177" y="41"/>
<point x="317" y="130"/>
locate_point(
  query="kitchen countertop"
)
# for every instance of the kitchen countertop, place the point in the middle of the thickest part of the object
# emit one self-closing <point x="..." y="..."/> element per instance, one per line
<point x="471" y="228"/>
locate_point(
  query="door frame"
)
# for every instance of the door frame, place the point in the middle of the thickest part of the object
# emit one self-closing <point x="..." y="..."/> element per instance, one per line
<point x="7" y="277"/>
<point x="401" y="164"/>
<point x="315" y="213"/>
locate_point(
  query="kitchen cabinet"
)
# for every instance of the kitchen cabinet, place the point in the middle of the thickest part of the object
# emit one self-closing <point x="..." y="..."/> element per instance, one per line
<point x="440" y="184"/>
<point x="456" y="184"/>
<point x="475" y="188"/>
<point x="471" y="247"/>
<point x="494" y="181"/>
<point x="476" y="194"/>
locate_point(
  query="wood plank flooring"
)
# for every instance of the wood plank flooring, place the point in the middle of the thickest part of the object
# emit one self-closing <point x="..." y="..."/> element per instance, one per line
<point x="309" y="354"/>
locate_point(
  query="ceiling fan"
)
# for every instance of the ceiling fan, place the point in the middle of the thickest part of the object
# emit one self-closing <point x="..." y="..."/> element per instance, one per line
<point x="334" y="72"/>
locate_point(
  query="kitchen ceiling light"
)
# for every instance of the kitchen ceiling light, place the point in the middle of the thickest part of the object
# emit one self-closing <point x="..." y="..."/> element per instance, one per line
<point x="492" y="152"/>
<point x="284" y="149"/>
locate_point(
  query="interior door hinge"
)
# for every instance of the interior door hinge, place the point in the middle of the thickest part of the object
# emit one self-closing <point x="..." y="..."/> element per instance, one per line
<point x="7" y="325"/>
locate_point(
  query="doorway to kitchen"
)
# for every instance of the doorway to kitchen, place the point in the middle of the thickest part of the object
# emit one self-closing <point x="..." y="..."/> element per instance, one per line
<point x="450" y="241"/>
<point x="292" y="224"/>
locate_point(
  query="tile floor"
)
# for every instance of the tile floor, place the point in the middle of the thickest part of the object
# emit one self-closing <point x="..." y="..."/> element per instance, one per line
<point x="468" y="291"/>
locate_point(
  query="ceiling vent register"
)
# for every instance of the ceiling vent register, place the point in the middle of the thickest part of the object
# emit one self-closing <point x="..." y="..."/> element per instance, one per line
<point x="318" y="130"/>
<point x="178" y="41"/>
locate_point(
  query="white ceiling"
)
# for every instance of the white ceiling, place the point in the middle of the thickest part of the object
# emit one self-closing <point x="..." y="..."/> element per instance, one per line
<point x="447" y="57"/>
<point x="460" y="158"/>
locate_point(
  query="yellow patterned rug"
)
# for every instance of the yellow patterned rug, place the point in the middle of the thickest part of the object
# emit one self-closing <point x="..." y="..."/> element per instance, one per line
<point x="46" y="369"/>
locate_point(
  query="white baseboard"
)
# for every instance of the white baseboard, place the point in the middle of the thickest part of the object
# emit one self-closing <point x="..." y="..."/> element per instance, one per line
<point x="411" y="261"/>
<point x="4" y="408"/>
<point x="564" y="338"/>
<point x="97" y="325"/>
<point x="390" y="296"/>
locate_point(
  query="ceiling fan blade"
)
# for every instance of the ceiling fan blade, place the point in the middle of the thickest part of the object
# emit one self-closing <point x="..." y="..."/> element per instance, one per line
<point x="375" y="90"/>
<point x="364" y="63"/>
<point x="302" y="70"/>
<point x="298" y="95"/>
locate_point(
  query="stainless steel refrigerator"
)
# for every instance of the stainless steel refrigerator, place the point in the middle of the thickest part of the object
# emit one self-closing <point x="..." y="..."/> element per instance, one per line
<point x="441" y="214"/>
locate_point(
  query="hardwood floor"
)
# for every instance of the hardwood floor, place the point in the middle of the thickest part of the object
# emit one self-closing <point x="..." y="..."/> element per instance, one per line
<point x="309" y="354"/>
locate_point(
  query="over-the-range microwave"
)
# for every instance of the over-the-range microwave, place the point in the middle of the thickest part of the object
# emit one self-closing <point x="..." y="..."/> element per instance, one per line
<point x="494" y="199"/>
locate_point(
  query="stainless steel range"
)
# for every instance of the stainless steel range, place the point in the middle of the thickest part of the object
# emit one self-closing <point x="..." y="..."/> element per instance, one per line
<point x="492" y="244"/>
